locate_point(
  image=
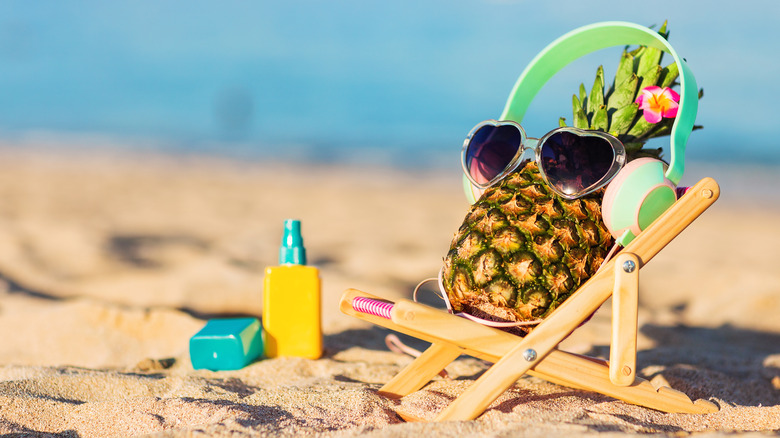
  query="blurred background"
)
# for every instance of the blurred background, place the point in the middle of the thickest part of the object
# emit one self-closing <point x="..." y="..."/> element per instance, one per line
<point x="109" y="245"/>
<point x="351" y="81"/>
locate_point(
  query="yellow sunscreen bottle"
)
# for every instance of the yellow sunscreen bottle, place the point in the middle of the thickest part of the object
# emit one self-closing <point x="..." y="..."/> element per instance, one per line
<point x="291" y="301"/>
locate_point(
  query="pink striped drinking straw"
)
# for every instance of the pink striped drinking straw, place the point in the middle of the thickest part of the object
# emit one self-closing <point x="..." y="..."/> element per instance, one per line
<point x="371" y="306"/>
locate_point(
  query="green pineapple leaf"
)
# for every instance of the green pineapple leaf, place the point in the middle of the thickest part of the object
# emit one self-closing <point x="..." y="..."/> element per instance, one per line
<point x="664" y="31"/>
<point x="633" y="147"/>
<point x="600" y="121"/>
<point x="660" y="129"/>
<point x="650" y="77"/>
<point x="650" y="153"/>
<point x="596" y="96"/>
<point x="622" y="119"/>
<point x="562" y="122"/>
<point x="649" y="59"/>
<point x="635" y="54"/>
<point x="583" y="96"/>
<point x="625" y="68"/>
<point x="644" y="130"/>
<point x="639" y="129"/>
<point x="624" y="94"/>
<point x="580" y="119"/>
<point x="668" y="75"/>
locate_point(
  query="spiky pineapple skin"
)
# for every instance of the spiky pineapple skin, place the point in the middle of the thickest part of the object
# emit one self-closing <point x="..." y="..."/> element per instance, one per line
<point x="522" y="249"/>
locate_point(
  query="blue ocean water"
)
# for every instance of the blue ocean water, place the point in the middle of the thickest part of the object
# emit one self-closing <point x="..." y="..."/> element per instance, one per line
<point x="397" y="83"/>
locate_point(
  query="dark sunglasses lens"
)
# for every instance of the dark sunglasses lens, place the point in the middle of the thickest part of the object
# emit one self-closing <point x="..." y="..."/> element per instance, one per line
<point x="490" y="151"/>
<point x="573" y="163"/>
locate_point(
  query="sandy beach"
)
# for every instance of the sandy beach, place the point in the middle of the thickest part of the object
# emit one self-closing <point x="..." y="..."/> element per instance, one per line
<point x="110" y="262"/>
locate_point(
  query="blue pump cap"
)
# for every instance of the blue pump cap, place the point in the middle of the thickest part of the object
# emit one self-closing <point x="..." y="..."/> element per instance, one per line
<point x="292" y="251"/>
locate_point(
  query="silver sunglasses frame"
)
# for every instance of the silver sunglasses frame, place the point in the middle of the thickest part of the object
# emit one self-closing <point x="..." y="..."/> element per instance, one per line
<point x="526" y="143"/>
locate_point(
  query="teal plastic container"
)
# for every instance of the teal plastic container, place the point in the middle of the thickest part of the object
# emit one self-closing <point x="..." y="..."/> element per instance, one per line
<point x="226" y="344"/>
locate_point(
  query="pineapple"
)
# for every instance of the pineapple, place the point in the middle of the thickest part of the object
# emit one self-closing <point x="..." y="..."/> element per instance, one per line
<point x="522" y="249"/>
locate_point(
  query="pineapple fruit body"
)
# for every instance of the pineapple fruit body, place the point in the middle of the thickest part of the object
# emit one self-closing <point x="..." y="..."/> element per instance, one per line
<point x="522" y="249"/>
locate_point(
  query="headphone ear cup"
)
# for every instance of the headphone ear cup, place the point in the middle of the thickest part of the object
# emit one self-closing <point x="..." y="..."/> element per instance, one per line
<point x="636" y="197"/>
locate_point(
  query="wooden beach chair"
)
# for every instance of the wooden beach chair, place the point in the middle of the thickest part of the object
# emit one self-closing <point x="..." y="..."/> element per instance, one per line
<point x="537" y="353"/>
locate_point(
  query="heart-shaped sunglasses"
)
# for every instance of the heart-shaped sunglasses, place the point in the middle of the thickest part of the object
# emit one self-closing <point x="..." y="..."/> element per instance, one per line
<point x="572" y="161"/>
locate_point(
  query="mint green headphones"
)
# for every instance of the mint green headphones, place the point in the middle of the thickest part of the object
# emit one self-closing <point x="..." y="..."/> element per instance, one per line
<point x="644" y="188"/>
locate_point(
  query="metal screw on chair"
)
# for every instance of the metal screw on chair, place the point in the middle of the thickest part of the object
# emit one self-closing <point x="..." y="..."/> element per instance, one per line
<point x="629" y="266"/>
<point x="529" y="355"/>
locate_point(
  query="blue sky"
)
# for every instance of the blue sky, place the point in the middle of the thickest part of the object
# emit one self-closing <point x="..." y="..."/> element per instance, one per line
<point x="321" y="78"/>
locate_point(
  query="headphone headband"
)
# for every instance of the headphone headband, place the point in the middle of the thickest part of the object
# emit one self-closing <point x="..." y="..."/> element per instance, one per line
<point x="594" y="37"/>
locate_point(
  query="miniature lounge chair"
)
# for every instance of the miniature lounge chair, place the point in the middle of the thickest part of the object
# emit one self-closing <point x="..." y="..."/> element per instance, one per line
<point x="536" y="353"/>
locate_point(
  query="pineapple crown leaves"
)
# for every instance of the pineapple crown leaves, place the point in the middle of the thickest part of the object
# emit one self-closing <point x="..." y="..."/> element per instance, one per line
<point x="615" y="110"/>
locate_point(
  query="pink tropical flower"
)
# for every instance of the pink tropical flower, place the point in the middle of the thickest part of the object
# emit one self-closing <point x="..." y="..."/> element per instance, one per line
<point x="657" y="102"/>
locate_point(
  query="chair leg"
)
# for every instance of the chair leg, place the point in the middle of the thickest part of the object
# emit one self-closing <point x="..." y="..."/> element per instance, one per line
<point x="625" y="301"/>
<point x="421" y="370"/>
<point x="497" y="379"/>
